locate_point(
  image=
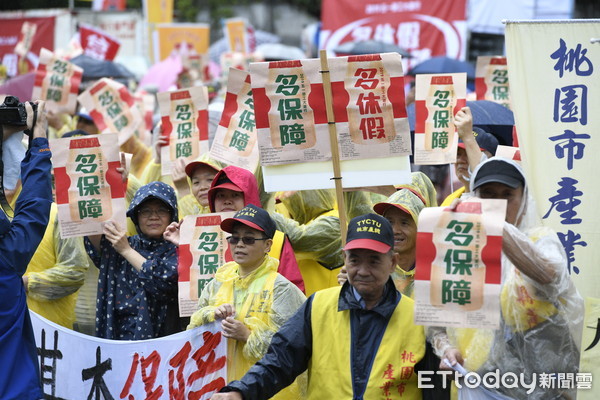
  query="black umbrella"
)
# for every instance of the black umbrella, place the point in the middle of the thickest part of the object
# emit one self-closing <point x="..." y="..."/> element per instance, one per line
<point x="489" y="116"/>
<point x="443" y="65"/>
<point x="94" y="69"/>
<point x="370" y="47"/>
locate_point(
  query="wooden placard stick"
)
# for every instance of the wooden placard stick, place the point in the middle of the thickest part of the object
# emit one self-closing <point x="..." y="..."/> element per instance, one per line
<point x="335" y="152"/>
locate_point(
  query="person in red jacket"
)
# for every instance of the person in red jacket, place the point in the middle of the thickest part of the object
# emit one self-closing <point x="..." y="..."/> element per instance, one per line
<point x="232" y="189"/>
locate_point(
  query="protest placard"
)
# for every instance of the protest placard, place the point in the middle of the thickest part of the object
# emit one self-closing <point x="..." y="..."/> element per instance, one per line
<point x="28" y="30"/>
<point x="237" y="36"/>
<point x="169" y="37"/>
<point x="289" y="107"/>
<point x="368" y="104"/>
<point x="184" y="117"/>
<point x="202" y="249"/>
<point x="111" y="105"/>
<point x="491" y="80"/>
<point x="369" y="108"/>
<point x="438" y="97"/>
<point x="235" y="139"/>
<point x="89" y="189"/>
<point x="74" y="366"/>
<point x="97" y="43"/>
<point x="458" y="266"/>
<point x="57" y="82"/>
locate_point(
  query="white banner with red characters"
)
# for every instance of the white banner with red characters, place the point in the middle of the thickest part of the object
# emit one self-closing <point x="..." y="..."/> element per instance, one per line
<point x="491" y="80"/>
<point x="368" y="100"/>
<point x="184" y="116"/>
<point x="438" y="97"/>
<point x="187" y="365"/>
<point x="111" y="105"/>
<point x="57" y="82"/>
<point x="235" y="139"/>
<point x="458" y="266"/>
<point x="424" y="28"/>
<point x="28" y="30"/>
<point x="89" y="189"/>
<point x="369" y="108"/>
<point x="203" y="248"/>
<point x="97" y="43"/>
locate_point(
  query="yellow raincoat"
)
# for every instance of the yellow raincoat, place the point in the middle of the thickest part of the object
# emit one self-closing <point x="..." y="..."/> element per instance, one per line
<point x="55" y="273"/>
<point x="422" y="186"/>
<point x="315" y="235"/>
<point x="263" y="301"/>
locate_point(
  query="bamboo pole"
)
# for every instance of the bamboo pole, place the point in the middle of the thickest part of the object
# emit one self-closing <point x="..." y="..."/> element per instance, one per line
<point x="335" y="152"/>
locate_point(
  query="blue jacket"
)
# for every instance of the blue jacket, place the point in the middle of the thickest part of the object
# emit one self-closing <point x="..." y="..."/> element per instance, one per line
<point x="18" y="241"/>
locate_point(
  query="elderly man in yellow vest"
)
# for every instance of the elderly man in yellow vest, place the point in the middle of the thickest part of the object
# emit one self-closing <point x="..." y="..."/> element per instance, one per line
<point x="356" y="341"/>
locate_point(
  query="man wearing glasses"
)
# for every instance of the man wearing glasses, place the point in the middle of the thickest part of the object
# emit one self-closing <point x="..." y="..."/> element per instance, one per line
<point x="250" y="298"/>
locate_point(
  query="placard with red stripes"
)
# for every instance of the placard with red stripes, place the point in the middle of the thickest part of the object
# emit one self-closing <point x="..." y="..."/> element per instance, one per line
<point x="438" y="97"/>
<point x="458" y="265"/>
<point x="368" y="102"/>
<point x="235" y="139"/>
<point x="89" y="189"/>
<point x="56" y="82"/>
<point x="111" y="105"/>
<point x="202" y="249"/>
<point x="491" y="80"/>
<point x="369" y="107"/>
<point x="184" y="116"/>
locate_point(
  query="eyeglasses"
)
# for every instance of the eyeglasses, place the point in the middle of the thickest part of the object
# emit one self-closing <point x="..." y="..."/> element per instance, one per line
<point x="248" y="240"/>
<point x="148" y="212"/>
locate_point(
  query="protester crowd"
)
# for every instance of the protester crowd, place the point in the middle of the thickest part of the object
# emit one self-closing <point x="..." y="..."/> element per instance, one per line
<point x="306" y="315"/>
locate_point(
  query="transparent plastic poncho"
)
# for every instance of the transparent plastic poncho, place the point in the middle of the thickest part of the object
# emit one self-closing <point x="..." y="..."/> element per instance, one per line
<point x="541" y="310"/>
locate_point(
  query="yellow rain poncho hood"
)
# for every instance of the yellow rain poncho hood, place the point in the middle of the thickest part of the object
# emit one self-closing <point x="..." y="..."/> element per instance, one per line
<point x="423" y="188"/>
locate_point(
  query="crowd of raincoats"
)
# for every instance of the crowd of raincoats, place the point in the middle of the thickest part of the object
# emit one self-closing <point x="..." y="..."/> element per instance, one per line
<point x="70" y="283"/>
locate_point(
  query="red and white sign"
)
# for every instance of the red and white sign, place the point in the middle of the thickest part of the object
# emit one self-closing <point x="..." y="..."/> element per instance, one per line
<point x="57" y="82"/>
<point x="424" y="28"/>
<point x="10" y="35"/>
<point x="458" y="266"/>
<point x="235" y="139"/>
<point x="89" y="189"/>
<point x="97" y="43"/>
<point x="184" y="116"/>
<point x="491" y="80"/>
<point x="438" y="97"/>
<point x="111" y="105"/>
<point x="203" y="248"/>
<point x="368" y="104"/>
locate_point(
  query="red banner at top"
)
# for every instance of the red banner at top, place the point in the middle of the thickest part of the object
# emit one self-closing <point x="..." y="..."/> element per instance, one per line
<point x="424" y="28"/>
<point x="97" y="43"/>
<point x="11" y="33"/>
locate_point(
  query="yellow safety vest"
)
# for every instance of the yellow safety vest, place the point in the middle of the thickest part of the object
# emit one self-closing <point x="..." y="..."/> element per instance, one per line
<point x="392" y="374"/>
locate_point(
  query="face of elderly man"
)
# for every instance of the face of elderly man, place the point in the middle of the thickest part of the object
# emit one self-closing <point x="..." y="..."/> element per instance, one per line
<point x="369" y="270"/>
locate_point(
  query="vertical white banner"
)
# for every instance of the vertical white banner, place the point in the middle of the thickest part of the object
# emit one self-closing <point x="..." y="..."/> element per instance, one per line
<point x="554" y="74"/>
